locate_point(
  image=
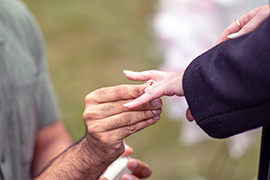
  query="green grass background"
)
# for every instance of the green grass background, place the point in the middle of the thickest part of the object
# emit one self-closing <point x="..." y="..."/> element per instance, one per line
<point x="89" y="43"/>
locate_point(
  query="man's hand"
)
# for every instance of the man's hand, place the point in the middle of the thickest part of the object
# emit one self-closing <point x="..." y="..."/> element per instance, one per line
<point x="108" y="122"/>
<point x="247" y="23"/>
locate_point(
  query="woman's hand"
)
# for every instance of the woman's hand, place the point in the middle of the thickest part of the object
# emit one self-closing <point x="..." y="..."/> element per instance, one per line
<point x="246" y="23"/>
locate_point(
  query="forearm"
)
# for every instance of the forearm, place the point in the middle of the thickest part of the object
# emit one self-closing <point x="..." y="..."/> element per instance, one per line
<point x="77" y="162"/>
<point x="45" y="155"/>
<point x="50" y="141"/>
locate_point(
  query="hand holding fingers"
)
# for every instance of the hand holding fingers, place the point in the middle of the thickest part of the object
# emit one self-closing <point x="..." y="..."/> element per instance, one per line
<point x="170" y="85"/>
<point x="108" y="122"/>
<point x="150" y="94"/>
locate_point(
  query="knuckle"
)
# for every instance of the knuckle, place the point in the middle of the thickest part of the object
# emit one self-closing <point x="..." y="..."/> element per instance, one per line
<point x="106" y="107"/>
<point x="99" y="92"/>
<point x="91" y="96"/>
<point x="148" y="114"/>
<point x="132" y="128"/>
<point x="125" y="118"/>
<point x="144" y="106"/>
<point x="138" y="92"/>
<point x="89" y="114"/>
<point x="93" y="131"/>
<point x="87" y="98"/>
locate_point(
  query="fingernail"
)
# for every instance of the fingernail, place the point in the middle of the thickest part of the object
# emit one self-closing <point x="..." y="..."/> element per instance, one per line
<point x="234" y="35"/>
<point x="156" y="102"/>
<point x="102" y="178"/>
<point x="126" y="177"/>
<point x="156" y="117"/>
<point x="132" y="164"/>
<point x="127" y="71"/>
<point x="127" y="104"/>
<point x="156" y="111"/>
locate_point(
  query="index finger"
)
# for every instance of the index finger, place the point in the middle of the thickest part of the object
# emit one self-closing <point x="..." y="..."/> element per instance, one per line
<point x="116" y="93"/>
<point x="151" y="94"/>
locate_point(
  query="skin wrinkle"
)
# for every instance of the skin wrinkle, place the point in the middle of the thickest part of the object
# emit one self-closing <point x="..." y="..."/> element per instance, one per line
<point x="121" y="92"/>
<point x="106" y="107"/>
<point x="139" y="92"/>
<point x="95" y="159"/>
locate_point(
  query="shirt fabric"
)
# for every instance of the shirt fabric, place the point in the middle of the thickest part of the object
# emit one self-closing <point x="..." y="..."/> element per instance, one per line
<point x="228" y="89"/>
<point x="27" y="100"/>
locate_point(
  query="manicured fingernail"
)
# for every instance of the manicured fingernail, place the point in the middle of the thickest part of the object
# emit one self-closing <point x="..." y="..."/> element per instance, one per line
<point x="127" y="104"/>
<point x="156" y="102"/>
<point x="156" y="111"/>
<point x="126" y="177"/>
<point x="234" y="35"/>
<point x="127" y="71"/>
<point x="156" y="117"/>
<point x="132" y="164"/>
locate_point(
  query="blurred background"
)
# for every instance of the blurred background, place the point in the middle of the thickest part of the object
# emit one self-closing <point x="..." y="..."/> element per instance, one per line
<point x="89" y="43"/>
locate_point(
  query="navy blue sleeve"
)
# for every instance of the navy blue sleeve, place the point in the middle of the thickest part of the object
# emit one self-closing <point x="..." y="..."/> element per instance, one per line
<point x="228" y="87"/>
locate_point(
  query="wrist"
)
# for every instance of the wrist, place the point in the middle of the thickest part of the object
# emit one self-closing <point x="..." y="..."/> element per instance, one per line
<point x="97" y="152"/>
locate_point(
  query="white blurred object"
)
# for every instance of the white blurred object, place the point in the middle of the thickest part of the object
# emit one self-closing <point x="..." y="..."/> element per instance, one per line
<point x="186" y="29"/>
<point x="117" y="169"/>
